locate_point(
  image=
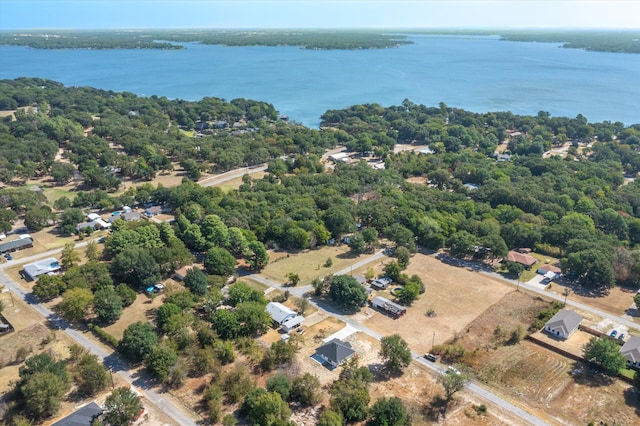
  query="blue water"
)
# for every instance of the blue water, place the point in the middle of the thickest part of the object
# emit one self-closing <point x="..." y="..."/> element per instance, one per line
<point x="479" y="74"/>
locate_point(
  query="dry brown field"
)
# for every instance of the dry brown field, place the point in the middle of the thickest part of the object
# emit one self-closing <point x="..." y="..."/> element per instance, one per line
<point x="618" y="301"/>
<point x="457" y="296"/>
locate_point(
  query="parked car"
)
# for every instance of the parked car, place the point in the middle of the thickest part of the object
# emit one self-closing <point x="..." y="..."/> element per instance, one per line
<point x="431" y="357"/>
<point x="8" y="256"/>
<point x="452" y="370"/>
<point x="621" y="336"/>
<point x="614" y="333"/>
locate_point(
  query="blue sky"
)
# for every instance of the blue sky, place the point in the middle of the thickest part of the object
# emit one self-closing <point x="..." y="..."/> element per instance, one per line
<point x="122" y="14"/>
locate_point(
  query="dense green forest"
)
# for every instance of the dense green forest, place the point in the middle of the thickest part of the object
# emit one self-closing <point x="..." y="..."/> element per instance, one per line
<point x="602" y="41"/>
<point x="579" y="208"/>
<point x="157" y="39"/>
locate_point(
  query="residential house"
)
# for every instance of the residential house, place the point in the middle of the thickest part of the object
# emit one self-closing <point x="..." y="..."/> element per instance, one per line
<point x="15" y="245"/>
<point x="280" y="313"/>
<point x="335" y="352"/>
<point x="81" y="417"/>
<point x="292" y="323"/>
<point x="563" y="324"/>
<point x="33" y="270"/>
<point x="153" y="211"/>
<point x="524" y="259"/>
<point x="631" y="352"/>
<point x="94" y="224"/>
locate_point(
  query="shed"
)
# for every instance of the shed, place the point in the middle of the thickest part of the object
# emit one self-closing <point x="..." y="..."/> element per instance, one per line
<point x="381" y="283"/>
<point x="563" y="324"/>
<point x="279" y="313"/>
<point x="631" y="352"/>
<point x="45" y="266"/>
<point x="81" y="417"/>
<point x="335" y="352"/>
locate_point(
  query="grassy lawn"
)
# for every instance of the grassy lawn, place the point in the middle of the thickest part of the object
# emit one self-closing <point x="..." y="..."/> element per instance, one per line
<point x="254" y="284"/>
<point x="627" y="372"/>
<point x="530" y="273"/>
<point x="54" y="194"/>
<point x="309" y="264"/>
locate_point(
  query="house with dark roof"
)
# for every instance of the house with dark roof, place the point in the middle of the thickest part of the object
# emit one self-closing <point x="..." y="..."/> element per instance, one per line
<point x="524" y="259"/>
<point x="81" y="417"/>
<point x="15" y="245"/>
<point x="631" y="352"/>
<point x="335" y="352"/>
<point x="563" y="324"/>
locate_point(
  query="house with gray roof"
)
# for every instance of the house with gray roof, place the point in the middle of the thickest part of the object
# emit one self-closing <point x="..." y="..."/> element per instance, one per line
<point x="279" y="312"/>
<point x="33" y="270"/>
<point x="15" y="245"/>
<point x="335" y="352"/>
<point x="563" y="324"/>
<point x="631" y="352"/>
<point x="81" y="417"/>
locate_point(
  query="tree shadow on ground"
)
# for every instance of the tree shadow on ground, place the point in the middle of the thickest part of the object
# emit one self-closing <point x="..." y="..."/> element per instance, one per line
<point x="632" y="399"/>
<point x="348" y="255"/>
<point x="587" y="375"/>
<point x="436" y="409"/>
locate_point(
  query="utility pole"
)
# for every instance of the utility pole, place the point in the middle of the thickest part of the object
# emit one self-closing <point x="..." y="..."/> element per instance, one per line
<point x="567" y="292"/>
<point x="113" y="386"/>
<point x="433" y="340"/>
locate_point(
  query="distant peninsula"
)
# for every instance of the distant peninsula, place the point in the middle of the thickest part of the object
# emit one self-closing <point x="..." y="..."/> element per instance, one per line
<point x="618" y="41"/>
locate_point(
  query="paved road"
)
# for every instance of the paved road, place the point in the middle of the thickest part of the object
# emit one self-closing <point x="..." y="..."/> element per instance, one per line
<point x="233" y="174"/>
<point x="473" y="387"/>
<point x="111" y="361"/>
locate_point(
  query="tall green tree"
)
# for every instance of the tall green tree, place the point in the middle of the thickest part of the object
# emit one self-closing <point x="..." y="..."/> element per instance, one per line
<point x="389" y="411"/>
<point x="196" y="281"/>
<point x="121" y="406"/>
<point x="395" y="352"/>
<point x="137" y="341"/>
<point x="605" y="353"/>
<point x="75" y="303"/>
<point x="107" y="304"/>
<point x="346" y="292"/>
<point x="219" y="262"/>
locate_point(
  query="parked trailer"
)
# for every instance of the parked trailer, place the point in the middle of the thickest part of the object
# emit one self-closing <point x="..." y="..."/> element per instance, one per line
<point x="388" y="306"/>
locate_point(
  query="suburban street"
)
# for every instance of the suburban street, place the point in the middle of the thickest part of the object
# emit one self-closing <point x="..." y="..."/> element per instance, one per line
<point x="473" y="387"/>
<point x="118" y="366"/>
<point x="111" y="360"/>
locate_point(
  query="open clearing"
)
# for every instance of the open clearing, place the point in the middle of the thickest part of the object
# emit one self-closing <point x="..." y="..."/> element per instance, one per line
<point x="309" y="264"/>
<point x="473" y="294"/>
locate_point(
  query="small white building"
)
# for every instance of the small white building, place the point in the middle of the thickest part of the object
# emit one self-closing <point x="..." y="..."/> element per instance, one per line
<point x="388" y="306"/>
<point x="563" y="324"/>
<point x="280" y="313"/>
<point x="33" y="270"/>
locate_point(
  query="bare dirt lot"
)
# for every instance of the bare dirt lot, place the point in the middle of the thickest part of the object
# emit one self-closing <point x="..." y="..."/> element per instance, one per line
<point x="543" y="379"/>
<point x="457" y="296"/>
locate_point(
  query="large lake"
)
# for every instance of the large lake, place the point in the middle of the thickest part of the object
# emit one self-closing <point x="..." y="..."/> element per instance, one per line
<point x="475" y="73"/>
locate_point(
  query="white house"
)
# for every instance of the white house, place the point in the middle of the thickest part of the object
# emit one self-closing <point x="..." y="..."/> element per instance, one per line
<point x="280" y="313"/>
<point x="45" y="266"/>
<point x="631" y="352"/>
<point x="291" y="323"/>
<point x="563" y="324"/>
